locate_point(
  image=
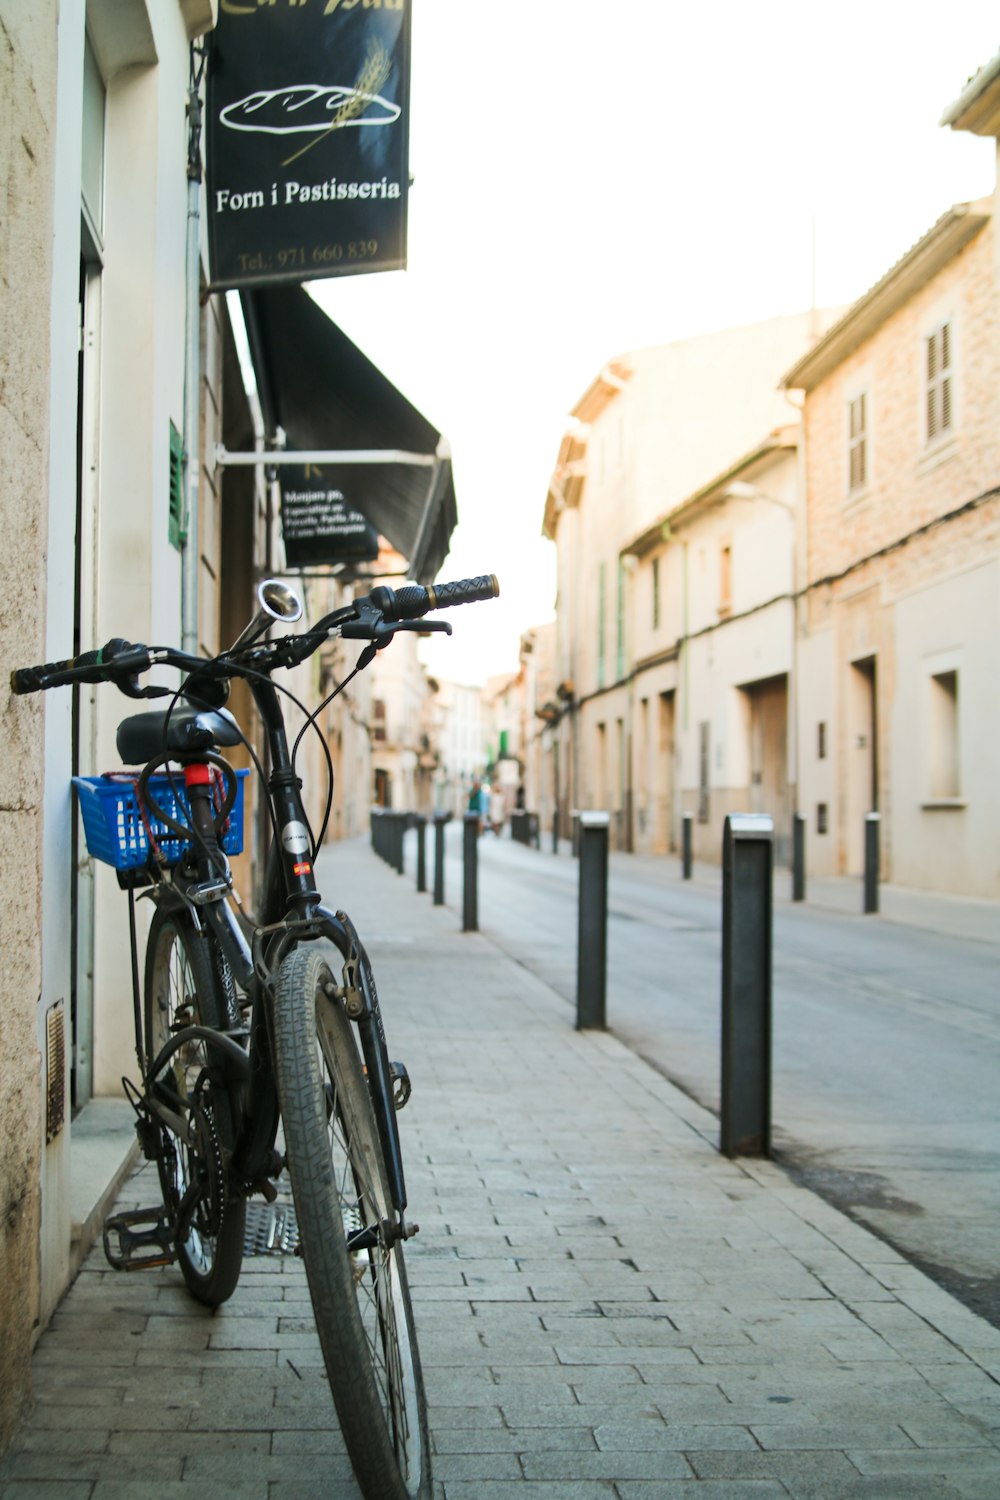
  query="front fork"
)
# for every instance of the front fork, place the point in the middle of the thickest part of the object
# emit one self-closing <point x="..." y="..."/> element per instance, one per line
<point x="360" y="1000"/>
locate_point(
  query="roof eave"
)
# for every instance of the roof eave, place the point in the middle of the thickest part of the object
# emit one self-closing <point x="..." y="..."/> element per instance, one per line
<point x="940" y="244"/>
<point x="782" y="438"/>
<point x="977" y="108"/>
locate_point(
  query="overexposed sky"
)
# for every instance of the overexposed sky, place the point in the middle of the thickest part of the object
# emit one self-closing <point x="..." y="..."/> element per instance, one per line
<point x="593" y="176"/>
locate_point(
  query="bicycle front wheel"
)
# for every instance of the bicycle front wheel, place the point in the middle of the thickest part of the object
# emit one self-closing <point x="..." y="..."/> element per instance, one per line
<point x="357" y="1280"/>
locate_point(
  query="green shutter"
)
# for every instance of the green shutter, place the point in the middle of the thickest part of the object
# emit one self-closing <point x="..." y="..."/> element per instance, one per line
<point x="176" y="520"/>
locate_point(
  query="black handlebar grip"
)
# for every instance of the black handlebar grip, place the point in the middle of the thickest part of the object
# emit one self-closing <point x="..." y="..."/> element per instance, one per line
<point x="30" y="679"/>
<point x="465" y="591"/>
<point x="33" y="679"/>
<point x="412" y="602"/>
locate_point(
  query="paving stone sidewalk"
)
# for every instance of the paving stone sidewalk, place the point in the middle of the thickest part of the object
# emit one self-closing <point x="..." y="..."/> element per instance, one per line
<point x="606" y="1307"/>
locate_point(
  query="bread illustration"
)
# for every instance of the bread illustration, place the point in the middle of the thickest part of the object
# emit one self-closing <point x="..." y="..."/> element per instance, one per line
<point x="306" y="109"/>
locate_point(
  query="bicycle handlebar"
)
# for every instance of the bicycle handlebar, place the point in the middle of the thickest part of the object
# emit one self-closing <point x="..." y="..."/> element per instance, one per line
<point x="371" y="616"/>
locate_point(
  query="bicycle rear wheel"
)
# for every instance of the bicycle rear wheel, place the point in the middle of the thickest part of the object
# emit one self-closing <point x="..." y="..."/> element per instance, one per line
<point x="357" y="1282"/>
<point x="183" y="989"/>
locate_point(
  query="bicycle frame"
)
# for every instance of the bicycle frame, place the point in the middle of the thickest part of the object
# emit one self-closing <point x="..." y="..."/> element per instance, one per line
<point x="293" y="914"/>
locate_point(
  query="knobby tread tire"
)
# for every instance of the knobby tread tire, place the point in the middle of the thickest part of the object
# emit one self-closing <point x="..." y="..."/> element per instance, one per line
<point x="180" y="967"/>
<point x="328" y="1118"/>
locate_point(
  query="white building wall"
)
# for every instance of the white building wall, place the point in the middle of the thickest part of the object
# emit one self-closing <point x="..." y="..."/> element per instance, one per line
<point x="941" y="837"/>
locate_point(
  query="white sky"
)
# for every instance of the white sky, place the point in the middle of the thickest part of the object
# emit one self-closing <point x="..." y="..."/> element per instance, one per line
<point x="593" y="176"/>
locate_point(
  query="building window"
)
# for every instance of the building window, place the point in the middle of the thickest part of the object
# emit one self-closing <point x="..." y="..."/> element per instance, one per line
<point x="620" y="623"/>
<point x="939" y="376"/>
<point x="821" y="741"/>
<point x="945" y="782"/>
<point x="656" y="593"/>
<point x="601" y="601"/>
<point x="822" y="817"/>
<point x="725" y="579"/>
<point x="378" y="720"/>
<point x="857" y="443"/>
<point x="704" y="739"/>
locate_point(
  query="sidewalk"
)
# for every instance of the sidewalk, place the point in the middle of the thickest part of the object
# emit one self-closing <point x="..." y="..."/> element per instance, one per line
<point x="954" y="916"/>
<point x="606" y="1307"/>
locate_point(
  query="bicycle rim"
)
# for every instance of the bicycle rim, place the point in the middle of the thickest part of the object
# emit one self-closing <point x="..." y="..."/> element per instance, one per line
<point x="359" y="1293"/>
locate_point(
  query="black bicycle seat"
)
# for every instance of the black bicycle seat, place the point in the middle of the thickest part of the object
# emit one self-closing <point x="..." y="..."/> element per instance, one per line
<point x="142" y="737"/>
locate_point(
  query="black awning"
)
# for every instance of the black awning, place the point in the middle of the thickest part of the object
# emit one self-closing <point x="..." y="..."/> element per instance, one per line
<point x="328" y="396"/>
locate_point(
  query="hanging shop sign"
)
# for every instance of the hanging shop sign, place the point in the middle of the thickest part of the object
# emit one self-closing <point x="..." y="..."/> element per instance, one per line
<point x="307" y="140"/>
<point x="320" y="527"/>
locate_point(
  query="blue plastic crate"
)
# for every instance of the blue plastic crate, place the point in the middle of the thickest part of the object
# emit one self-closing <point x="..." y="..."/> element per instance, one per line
<point x="116" y="833"/>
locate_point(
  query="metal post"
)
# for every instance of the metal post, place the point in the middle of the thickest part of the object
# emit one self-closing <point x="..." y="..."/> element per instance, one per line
<point x="470" y="862"/>
<point x="747" y="867"/>
<point x="872" y="821"/>
<point x="398" y="821"/>
<point x="798" y="857"/>
<point x="687" y="827"/>
<point x="191" y="542"/>
<point x="440" y="819"/>
<point x="592" y="932"/>
<point x="421" y="826"/>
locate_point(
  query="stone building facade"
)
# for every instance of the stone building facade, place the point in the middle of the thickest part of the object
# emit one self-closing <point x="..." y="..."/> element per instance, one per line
<point x="645" y="522"/>
<point x="899" y="703"/>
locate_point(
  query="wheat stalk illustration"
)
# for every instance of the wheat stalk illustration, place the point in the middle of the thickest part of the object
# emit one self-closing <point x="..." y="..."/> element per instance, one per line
<point x="376" y="70"/>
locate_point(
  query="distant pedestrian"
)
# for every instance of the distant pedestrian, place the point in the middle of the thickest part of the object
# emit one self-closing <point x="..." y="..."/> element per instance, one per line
<point x="498" y="809"/>
<point x="477" y="798"/>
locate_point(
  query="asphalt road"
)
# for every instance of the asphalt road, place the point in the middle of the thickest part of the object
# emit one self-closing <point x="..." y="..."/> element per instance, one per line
<point x="886" y="1049"/>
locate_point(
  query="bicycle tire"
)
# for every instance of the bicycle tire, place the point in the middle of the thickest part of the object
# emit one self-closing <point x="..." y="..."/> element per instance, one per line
<point x="360" y="1299"/>
<point x="183" y="987"/>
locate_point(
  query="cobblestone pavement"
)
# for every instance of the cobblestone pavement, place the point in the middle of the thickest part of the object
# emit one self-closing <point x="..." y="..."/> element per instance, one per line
<point x="606" y="1307"/>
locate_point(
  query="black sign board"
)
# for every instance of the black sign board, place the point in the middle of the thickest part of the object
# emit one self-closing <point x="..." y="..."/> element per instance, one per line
<point x="320" y="527"/>
<point x="307" y="136"/>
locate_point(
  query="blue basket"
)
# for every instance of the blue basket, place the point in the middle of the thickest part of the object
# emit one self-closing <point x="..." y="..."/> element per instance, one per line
<point x="116" y="833"/>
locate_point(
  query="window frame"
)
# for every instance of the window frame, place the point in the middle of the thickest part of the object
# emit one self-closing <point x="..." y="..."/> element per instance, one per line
<point x="858" y="442"/>
<point x="938" y="382"/>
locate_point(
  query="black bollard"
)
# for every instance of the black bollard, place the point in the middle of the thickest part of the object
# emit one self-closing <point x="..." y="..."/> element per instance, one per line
<point x="687" y="827"/>
<point x="872" y="821"/>
<point x="592" y="932"/>
<point x="421" y="826"/>
<point x="470" y="862"/>
<point x="440" y="819"/>
<point x="798" y="857"/>
<point x="747" y="868"/>
<point x="399" y="822"/>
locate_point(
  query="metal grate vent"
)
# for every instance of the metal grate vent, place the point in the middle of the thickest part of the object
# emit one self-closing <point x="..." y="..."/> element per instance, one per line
<point x="55" y="1070"/>
<point x="271" y="1229"/>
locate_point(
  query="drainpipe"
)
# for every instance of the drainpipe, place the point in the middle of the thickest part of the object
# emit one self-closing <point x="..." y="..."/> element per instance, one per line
<point x="191" y="547"/>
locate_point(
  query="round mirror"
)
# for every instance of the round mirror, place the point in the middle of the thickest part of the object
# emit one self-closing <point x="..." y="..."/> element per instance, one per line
<point x="279" y="600"/>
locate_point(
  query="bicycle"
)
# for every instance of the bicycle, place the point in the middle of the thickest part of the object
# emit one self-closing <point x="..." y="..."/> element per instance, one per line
<point x="241" y="1025"/>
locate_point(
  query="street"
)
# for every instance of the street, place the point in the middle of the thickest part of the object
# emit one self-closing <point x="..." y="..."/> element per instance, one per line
<point x="886" y="1036"/>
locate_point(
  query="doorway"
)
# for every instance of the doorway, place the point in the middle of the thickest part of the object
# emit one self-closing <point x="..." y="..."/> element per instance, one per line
<point x="862" y="757"/>
<point x="768" y="728"/>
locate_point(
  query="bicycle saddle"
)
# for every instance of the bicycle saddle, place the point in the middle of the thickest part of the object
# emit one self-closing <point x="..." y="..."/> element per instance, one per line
<point x="142" y="737"/>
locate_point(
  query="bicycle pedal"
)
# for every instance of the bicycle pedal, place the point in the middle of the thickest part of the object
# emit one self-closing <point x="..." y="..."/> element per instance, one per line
<point x="402" y="1088"/>
<point x="138" y="1249"/>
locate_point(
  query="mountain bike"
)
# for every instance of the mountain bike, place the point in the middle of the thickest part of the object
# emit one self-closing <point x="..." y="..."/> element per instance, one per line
<point x="243" y="1027"/>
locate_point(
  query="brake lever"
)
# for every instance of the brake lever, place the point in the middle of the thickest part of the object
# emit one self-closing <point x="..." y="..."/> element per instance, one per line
<point x="130" y="687"/>
<point x="423" y="627"/>
<point x="382" y="631"/>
